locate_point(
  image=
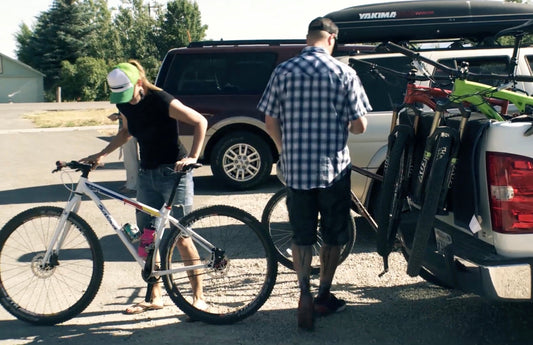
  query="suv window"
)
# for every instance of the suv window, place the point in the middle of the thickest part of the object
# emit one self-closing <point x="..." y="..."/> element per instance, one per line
<point x="529" y="59"/>
<point x="482" y="65"/>
<point x="208" y="74"/>
<point x="394" y="86"/>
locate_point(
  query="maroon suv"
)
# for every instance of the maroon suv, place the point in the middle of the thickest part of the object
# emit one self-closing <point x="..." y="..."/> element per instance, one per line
<point x="224" y="80"/>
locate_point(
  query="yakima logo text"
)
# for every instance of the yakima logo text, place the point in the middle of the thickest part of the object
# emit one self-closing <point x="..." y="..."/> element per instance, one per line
<point x="377" y="15"/>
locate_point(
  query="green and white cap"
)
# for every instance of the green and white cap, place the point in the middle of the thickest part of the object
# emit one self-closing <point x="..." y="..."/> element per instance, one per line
<point x="121" y="81"/>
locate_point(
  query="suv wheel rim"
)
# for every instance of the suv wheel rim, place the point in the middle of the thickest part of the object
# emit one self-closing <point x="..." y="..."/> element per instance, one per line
<point x="241" y="162"/>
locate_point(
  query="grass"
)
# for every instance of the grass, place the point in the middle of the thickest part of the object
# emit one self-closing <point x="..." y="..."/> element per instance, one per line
<point x="71" y="118"/>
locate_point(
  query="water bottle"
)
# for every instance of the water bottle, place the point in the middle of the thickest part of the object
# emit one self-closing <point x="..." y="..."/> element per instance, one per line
<point x="132" y="231"/>
<point x="147" y="240"/>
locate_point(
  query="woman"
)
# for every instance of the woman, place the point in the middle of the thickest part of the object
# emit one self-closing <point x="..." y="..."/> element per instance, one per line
<point x="151" y="115"/>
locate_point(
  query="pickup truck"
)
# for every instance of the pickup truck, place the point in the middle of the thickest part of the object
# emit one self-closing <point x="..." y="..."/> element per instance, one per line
<point x="484" y="243"/>
<point x="492" y="258"/>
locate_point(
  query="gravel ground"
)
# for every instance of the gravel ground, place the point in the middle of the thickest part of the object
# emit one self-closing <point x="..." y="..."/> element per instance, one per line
<point x="393" y="309"/>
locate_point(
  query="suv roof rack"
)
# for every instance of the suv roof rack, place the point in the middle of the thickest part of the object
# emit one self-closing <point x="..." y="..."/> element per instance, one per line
<point x="273" y="42"/>
<point x="423" y="20"/>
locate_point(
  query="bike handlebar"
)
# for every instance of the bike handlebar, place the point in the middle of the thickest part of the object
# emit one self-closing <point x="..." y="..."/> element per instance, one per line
<point x="519" y="30"/>
<point x="377" y="68"/>
<point x="78" y="166"/>
<point x="393" y="47"/>
<point x="85" y="168"/>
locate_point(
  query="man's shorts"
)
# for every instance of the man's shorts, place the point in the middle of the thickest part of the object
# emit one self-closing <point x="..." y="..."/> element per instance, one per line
<point x="333" y="205"/>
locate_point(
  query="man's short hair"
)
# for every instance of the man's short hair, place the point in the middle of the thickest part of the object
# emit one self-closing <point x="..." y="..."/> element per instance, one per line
<point x="323" y="24"/>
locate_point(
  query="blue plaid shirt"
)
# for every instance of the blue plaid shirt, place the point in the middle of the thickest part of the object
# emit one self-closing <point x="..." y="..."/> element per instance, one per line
<point x="314" y="96"/>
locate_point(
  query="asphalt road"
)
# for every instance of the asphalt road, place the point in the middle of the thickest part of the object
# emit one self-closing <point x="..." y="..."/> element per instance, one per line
<point x="394" y="309"/>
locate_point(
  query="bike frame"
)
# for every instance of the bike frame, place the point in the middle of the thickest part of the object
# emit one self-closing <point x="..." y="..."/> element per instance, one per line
<point x="90" y="189"/>
<point x="472" y="92"/>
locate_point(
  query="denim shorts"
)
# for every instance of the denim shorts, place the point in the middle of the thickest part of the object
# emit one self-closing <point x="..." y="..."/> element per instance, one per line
<point x="154" y="187"/>
<point x="333" y="205"/>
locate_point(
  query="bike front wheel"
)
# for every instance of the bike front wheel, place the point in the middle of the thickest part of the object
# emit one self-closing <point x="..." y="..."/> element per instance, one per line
<point x="242" y="265"/>
<point x="394" y="187"/>
<point x="435" y="183"/>
<point x="47" y="293"/>
<point x="275" y="218"/>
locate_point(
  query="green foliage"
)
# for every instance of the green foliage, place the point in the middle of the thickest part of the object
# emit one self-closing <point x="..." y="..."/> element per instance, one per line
<point x="58" y="36"/>
<point x="136" y="26"/>
<point x="75" y="42"/>
<point x="85" y="80"/>
<point x="179" y="26"/>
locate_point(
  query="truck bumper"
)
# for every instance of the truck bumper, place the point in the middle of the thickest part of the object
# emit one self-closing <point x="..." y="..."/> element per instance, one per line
<point x="497" y="282"/>
<point x="466" y="263"/>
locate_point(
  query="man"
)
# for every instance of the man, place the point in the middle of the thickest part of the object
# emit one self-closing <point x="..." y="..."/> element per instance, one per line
<point x="311" y="103"/>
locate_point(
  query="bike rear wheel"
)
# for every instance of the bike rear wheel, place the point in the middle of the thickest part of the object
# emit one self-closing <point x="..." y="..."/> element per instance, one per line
<point x="47" y="294"/>
<point x="275" y="218"/>
<point x="237" y="284"/>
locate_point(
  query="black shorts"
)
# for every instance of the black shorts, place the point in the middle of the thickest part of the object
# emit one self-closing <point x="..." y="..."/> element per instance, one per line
<point x="333" y="205"/>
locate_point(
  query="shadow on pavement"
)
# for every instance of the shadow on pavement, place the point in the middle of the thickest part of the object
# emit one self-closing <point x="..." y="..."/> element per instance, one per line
<point x="391" y="317"/>
<point x="42" y="194"/>
<point x="204" y="185"/>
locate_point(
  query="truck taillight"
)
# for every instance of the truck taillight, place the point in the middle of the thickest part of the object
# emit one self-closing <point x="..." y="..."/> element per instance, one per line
<point x="510" y="179"/>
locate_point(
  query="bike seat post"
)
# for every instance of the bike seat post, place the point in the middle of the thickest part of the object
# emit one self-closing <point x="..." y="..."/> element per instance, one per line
<point x="179" y="175"/>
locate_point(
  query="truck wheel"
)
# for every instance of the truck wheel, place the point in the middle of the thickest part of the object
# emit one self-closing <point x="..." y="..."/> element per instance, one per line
<point x="241" y="160"/>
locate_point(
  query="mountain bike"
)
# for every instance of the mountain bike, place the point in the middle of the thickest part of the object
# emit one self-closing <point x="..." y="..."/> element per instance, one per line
<point x="433" y="179"/>
<point x="51" y="261"/>
<point x="275" y="218"/>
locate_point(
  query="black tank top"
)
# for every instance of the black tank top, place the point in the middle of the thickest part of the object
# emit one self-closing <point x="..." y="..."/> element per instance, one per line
<point x="155" y="130"/>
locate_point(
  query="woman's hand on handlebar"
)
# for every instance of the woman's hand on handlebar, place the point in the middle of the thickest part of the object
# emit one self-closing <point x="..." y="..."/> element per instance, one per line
<point x="185" y="162"/>
<point x="95" y="160"/>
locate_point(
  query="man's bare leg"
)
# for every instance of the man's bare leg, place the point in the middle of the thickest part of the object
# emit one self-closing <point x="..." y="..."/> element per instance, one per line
<point x="302" y="256"/>
<point x="325" y="302"/>
<point x="329" y="260"/>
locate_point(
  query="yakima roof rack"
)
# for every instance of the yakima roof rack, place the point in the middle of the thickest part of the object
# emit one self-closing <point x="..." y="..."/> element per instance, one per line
<point x="428" y="20"/>
<point x="272" y="42"/>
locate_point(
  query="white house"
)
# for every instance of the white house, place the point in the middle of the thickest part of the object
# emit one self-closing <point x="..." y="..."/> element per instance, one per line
<point x="19" y="83"/>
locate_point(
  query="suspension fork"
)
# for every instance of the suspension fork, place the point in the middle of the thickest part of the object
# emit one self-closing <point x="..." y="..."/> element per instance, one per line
<point x="61" y="232"/>
<point x="455" y="146"/>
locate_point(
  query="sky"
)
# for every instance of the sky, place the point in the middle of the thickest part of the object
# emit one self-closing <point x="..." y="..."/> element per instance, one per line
<point x="226" y="19"/>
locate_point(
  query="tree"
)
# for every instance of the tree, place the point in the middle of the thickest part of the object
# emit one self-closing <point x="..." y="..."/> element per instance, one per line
<point x="180" y="25"/>
<point x="60" y="35"/>
<point x="72" y="29"/>
<point x="84" y="80"/>
<point x="23" y="38"/>
<point x="104" y="40"/>
<point x="135" y="26"/>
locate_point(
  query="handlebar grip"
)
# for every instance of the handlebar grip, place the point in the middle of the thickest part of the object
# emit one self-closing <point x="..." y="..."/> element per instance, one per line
<point x="521" y="29"/>
<point x="524" y="78"/>
<point x="395" y="48"/>
<point x="191" y="166"/>
<point x="416" y="56"/>
<point x="377" y="68"/>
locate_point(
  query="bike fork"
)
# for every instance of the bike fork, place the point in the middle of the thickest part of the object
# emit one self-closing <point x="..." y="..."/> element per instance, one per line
<point x="61" y="230"/>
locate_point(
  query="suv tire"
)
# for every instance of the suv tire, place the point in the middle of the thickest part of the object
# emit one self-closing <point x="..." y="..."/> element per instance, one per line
<point x="242" y="160"/>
